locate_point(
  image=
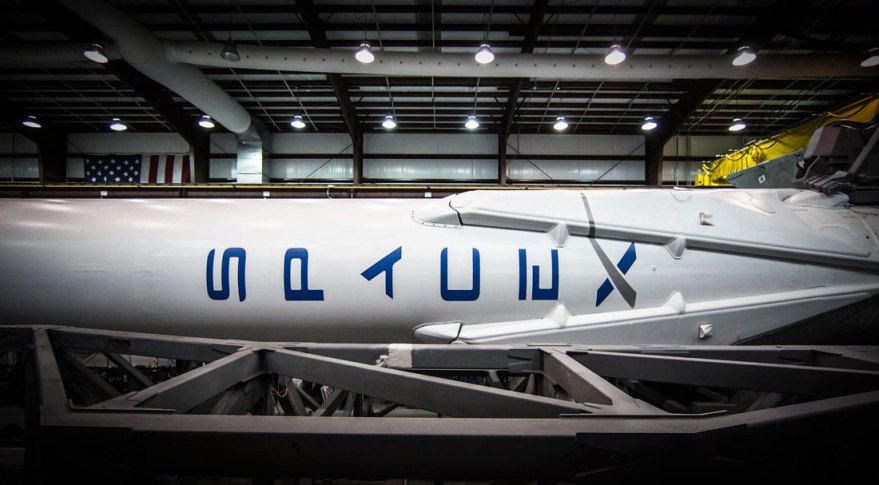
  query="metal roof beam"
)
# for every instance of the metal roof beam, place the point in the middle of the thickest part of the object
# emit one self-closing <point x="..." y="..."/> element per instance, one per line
<point x="318" y="34"/>
<point x="670" y="124"/>
<point x="535" y="22"/>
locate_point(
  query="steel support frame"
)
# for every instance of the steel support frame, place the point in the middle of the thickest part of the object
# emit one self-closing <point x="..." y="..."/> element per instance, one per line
<point x="602" y="429"/>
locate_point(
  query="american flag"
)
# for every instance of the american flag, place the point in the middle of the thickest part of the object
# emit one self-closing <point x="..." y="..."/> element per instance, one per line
<point x="167" y="169"/>
<point x="138" y="169"/>
<point x="112" y="169"/>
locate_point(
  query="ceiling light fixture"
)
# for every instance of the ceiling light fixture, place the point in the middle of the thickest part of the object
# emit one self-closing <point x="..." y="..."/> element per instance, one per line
<point x="118" y="125"/>
<point x="737" y="125"/>
<point x="472" y="123"/>
<point x="389" y="122"/>
<point x="230" y="52"/>
<point x="484" y="55"/>
<point x="206" y="122"/>
<point x="298" y="122"/>
<point x="745" y="55"/>
<point x="31" y="122"/>
<point x="649" y="124"/>
<point x="616" y="55"/>
<point x="560" y="124"/>
<point x="95" y="52"/>
<point x="872" y="58"/>
<point x="364" y="54"/>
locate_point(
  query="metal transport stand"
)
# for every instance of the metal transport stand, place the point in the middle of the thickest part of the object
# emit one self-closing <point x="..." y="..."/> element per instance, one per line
<point x="121" y="407"/>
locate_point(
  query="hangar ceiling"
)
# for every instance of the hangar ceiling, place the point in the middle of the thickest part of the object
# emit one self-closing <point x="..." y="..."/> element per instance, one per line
<point x="82" y="96"/>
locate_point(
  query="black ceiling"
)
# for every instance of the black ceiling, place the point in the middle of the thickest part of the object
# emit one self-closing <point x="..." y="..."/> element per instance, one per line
<point x="83" y="96"/>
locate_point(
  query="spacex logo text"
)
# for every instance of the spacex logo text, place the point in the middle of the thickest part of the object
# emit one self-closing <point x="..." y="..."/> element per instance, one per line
<point x="296" y="283"/>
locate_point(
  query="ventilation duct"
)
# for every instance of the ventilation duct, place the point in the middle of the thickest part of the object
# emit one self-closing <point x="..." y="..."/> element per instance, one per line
<point x="143" y="50"/>
<point x="543" y="66"/>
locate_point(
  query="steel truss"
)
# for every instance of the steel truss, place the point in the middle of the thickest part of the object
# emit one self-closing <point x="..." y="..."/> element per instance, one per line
<point x="571" y="413"/>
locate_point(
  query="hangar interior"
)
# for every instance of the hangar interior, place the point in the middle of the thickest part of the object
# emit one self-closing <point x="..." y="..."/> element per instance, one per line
<point x="678" y="72"/>
<point x="271" y="99"/>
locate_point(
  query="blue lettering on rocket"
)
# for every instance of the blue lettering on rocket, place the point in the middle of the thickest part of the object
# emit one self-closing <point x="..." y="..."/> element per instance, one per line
<point x="385" y="265"/>
<point x="304" y="293"/>
<point x="223" y="292"/>
<point x="538" y="293"/>
<point x="458" y="295"/>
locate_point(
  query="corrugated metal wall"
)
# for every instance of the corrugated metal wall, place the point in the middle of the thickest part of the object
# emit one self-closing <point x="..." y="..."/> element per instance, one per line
<point x="395" y="157"/>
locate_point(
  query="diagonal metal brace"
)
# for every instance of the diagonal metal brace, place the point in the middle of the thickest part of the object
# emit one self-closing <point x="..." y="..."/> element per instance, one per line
<point x="446" y="397"/>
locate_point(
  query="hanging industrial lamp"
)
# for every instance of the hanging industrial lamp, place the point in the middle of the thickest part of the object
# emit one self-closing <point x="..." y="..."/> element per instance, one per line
<point x="745" y="55"/>
<point x="561" y="124"/>
<point x="364" y="54"/>
<point x="472" y="123"/>
<point x="616" y="55"/>
<point x="297" y="122"/>
<point x="230" y="52"/>
<point x="389" y="122"/>
<point x="484" y="55"/>
<point x="31" y="122"/>
<point x="95" y="52"/>
<point x="206" y="122"/>
<point x="118" y="125"/>
<point x="872" y="58"/>
<point x="737" y="125"/>
<point x="649" y="124"/>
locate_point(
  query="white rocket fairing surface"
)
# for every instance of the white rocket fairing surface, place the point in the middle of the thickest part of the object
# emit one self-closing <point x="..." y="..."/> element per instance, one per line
<point x="555" y="266"/>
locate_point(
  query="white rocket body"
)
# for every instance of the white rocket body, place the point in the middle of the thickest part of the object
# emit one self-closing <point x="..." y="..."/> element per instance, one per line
<point x="555" y="266"/>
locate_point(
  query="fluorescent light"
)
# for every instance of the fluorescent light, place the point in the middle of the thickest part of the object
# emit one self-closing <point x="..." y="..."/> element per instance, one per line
<point x="230" y="52"/>
<point x="737" y="125"/>
<point x="364" y="53"/>
<point x="31" y="122"/>
<point x="649" y="124"/>
<point x="118" y="125"/>
<point x="206" y="122"/>
<point x="560" y="124"/>
<point x="297" y="122"/>
<point x="389" y="122"/>
<point x="872" y="59"/>
<point x="472" y="123"/>
<point x="745" y="56"/>
<point x="616" y="55"/>
<point x="96" y="53"/>
<point x="484" y="55"/>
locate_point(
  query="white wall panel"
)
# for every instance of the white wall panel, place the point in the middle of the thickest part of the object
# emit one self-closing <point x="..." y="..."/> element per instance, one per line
<point x="442" y="169"/>
<point x="576" y="144"/>
<point x="586" y="171"/>
<point x="680" y="173"/>
<point x="429" y="144"/>
<point x="126" y="143"/>
<point x="329" y="143"/>
<point x="701" y="146"/>
<point x="305" y="169"/>
<point x="224" y="169"/>
<point x="19" y="169"/>
<point x="16" y="143"/>
<point x="75" y="168"/>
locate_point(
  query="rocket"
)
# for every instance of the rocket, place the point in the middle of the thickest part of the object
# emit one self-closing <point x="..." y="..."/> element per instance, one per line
<point x="641" y="266"/>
